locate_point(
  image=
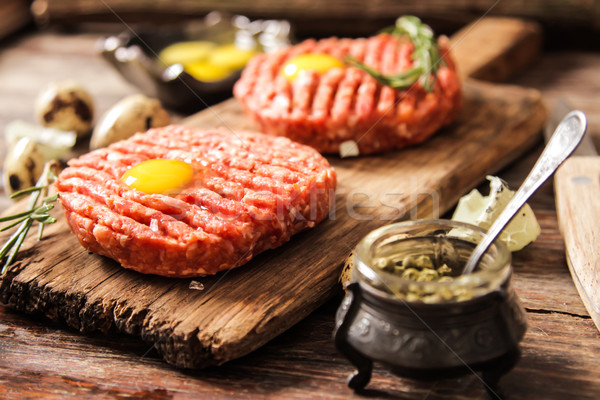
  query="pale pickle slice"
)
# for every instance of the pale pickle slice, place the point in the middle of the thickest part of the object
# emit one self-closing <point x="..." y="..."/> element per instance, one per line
<point x="476" y="209"/>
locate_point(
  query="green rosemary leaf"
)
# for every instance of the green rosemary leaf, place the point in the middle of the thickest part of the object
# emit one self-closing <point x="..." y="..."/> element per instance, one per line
<point x="426" y="53"/>
<point x="426" y="56"/>
<point x="405" y="79"/>
<point x="15" y="216"/>
<point x="50" y="199"/>
<point x="40" y="231"/>
<point x="22" y="234"/>
<point x="42" y="209"/>
<point x="17" y="222"/>
<point x="35" y="213"/>
<point x="412" y="26"/>
<point x="10" y="242"/>
<point x="402" y="80"/>
<point x="23" y="192"/>
<point x="40" y="217"/>
<point x="13" y="244"/>
<point x="48" y="220"/>
<point x="426" y="62"/>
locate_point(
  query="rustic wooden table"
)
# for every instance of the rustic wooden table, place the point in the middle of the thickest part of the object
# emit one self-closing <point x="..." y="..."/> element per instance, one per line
<point x="38" y="359"/>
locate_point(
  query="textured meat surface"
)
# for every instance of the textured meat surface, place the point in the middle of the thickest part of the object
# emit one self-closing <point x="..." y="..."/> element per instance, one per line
<point x="324" y="110"/>
<point x="250" y="192"/>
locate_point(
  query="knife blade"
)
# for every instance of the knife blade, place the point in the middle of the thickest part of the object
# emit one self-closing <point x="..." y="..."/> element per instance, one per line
<point x="577" y="194"/>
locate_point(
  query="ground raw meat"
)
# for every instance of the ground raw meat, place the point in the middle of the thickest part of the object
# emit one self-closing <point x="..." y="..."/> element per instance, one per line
<point x="325" y="110"/>
<point x="250" y="192"/>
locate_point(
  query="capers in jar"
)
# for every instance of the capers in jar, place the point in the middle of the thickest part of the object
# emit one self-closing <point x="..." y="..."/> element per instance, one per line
<point x="419" y="269"/>
<point x="422" y="269"/>
<point x="410" y="273"/>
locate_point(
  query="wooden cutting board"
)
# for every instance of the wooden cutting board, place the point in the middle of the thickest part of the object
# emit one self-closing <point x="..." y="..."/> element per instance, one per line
<point x="206" y="321"/>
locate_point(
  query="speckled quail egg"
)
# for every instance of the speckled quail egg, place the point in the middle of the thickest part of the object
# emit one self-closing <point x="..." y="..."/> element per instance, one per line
<point x="133" y="114"/>
<point x="66" y="106"/>
<point x="23" y="165"/>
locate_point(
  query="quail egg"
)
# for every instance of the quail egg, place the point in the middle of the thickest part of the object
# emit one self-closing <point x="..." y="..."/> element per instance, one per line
<point x="133" y="114"/>
<point x="66" y="106"/>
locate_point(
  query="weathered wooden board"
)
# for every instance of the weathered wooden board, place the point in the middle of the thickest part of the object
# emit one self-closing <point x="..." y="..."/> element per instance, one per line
<point x="240" y="310"/>
<point x="194" y="323"/>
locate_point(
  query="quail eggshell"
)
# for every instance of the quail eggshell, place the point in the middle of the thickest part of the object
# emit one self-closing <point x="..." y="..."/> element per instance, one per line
<point x="23" y="165"/>
<point x="133" y="114"/>
<point x="66" y="106"/>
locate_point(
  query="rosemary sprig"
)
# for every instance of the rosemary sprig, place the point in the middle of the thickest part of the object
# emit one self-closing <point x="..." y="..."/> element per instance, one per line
<point x="426" y="56"/>
<point x="35" y="213"/>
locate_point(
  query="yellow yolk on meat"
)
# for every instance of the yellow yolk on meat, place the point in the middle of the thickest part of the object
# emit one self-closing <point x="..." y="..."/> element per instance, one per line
<point x="158" y="176"/>
<point x="320" y="63"/>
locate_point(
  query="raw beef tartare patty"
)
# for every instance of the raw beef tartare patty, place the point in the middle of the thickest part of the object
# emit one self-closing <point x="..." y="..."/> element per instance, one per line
<point x="325" y="109"/>
<point x="249" y="192"/>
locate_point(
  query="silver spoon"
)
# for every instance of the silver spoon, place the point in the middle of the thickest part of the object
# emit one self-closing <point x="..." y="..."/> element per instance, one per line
<point x="564" y="140"/>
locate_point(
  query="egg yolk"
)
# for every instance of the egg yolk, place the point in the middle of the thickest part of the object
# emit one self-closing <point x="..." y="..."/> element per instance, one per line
<point x="320" y="63"/>
<point x="230" y="57"/>
<point x="158" y="176"/>
<point x="186" y="52"/>
<point x="205" y="71"/>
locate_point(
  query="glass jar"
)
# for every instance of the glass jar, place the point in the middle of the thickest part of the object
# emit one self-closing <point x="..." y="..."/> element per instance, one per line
<point x="430" y="329"/>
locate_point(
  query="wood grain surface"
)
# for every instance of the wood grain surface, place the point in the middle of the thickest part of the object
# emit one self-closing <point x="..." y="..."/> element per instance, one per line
<point x="577" y="185"/>
<point x="561" y="349"/>
<point x="505" y="47"/>
<point x="238" y="311"/>
<point x="42" y="359"/>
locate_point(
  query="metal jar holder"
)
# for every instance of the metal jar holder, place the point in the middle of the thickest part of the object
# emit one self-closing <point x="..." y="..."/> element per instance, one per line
<point x="430" y="330"/>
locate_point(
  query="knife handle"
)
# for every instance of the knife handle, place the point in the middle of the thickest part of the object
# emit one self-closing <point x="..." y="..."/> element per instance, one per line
<point x="577" y="193"/>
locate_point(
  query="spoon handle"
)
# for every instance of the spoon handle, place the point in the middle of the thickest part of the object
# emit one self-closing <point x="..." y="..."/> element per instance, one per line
<point x="565" y="139"/>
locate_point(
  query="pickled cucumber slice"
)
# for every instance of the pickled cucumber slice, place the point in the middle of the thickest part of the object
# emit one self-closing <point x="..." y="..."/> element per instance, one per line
<point x="476" y="209"/>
